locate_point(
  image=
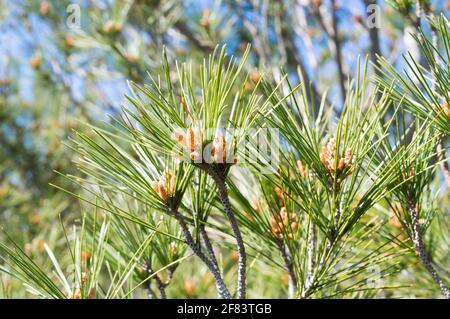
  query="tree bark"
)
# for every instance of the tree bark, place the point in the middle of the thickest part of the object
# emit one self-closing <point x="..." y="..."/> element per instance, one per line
<point x="420" y="249"/>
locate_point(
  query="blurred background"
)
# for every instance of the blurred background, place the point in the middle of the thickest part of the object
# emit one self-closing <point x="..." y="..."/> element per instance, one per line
<point x="66" y="62"/>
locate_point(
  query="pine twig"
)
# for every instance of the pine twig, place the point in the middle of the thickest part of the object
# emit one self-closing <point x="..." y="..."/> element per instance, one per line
<point x="219" y="179"/>
<point x="420" y="248"/>
<point x="221" y="288"/>
<point x="287" y="259"/>
<point x="208" y="245"/>
<point x="159" y="284"/>
<point x="311" y="254"/>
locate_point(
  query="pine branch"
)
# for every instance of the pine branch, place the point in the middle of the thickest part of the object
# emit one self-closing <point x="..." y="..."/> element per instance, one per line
<point x="420" y="248"/>
<point x="287" y="259"/>
<point x="221" y="288"/>
<point x="312" y="241"/>
<point x="159" y="284"/>
<point x="219" y="179"/>
<point x="208" y="245"/>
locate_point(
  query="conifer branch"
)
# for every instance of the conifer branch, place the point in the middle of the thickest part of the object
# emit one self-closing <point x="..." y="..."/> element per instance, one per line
<point x="288" y="263"/>
<point x="219" y="179"/>
<point x="420" y="248"/>
<point x="221" y="288"/>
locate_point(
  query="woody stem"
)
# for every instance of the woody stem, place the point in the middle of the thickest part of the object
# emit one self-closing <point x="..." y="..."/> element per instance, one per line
<point x="209" y="247"/>
<point x="289" y="267"/>
<point x="219" y="179"/>
<point x="420" y="248"/>
<point x="221" y="288"/>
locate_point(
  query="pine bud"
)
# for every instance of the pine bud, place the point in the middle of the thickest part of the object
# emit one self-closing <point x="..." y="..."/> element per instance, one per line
<point x="284" y="223"/>
<point x="279" y="194"/>
<point x="255" y="76"/>
<point x="35" y="219"/>
<point x="165" y="188"/>
<point x="75" y="294"/>
<point x="44" y="8"/>
<point x="189" y="287"/>
<point x="70" y="41"/>
<point x="193" y="139"/>
<point x="108" y="26"/>
<point x="36" y="61"/>
<point x="219" y="149"/>
<point x="117" y="26"/>
<point x="328" y="157"/>
<point x="85" y="256"/>
<point x="205" y="20"/>
<point x="92" y="293"/>
<point x="358" y="18"/>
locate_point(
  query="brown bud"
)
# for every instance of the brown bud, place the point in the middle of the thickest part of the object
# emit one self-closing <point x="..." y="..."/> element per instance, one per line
<point x="219" y="149"/>
<point x="36" y="61"/>
<point x="189" y="287"/>
<point x="92" y="293"/>
<point x="279" y="194"/>
<point x="255" y="76"/>
<point x="117" y="26"/>
<point x="284" y="223"/>
<point x="70" y="41"/>
<point x="75" y="295"/>
<point x="205" y="20"/>
<point x="179" y="137"/>
<point x="108" y="26"/>
<point x="131" y="57"/>
<point x="35" y="219"/>
<point x="358" y="18"/>
<point x="44" y="8"/>
<point x="166" y="186"/>
<point x="85" y="256"/>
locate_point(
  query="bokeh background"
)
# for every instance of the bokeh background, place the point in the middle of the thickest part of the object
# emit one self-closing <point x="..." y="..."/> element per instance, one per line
<point x="56" y="74"/>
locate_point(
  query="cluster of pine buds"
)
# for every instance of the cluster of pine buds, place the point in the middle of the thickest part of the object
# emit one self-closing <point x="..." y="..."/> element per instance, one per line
<point x="165" y="188"/>
<point x="284" y="223"/>
<point x="192" y="142"/>
<point x="327" y="157"/>
<point x="219" y="149"/>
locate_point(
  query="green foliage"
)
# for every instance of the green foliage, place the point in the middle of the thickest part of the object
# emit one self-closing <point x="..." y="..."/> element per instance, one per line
<point x="160" y="200"/>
